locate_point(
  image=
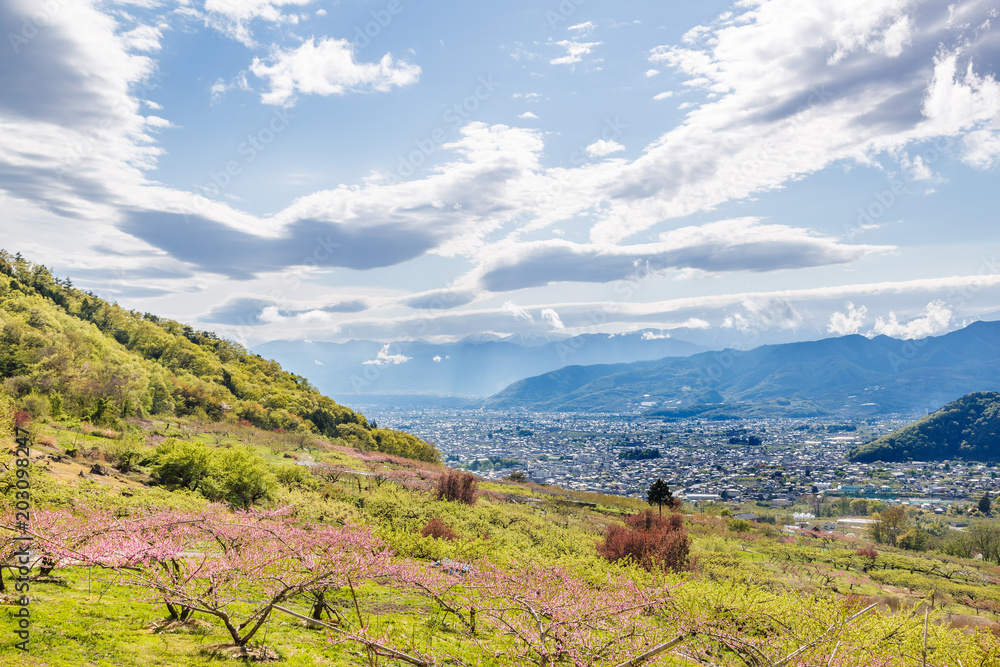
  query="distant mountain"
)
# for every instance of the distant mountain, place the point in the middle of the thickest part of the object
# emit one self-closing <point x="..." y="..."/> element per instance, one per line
<point x="968" y="428"/>
<point x="476" y="366"/>
<point x="850" y="375"/>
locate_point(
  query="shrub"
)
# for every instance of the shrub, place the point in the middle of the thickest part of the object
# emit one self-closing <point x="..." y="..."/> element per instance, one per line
<point x="295" y="477"/>
<point x="38" y="406"/>
<point x="22" y="418"/>
<point x="739" y="525"/>
<point x="439" y="530"/>
<point x="182" y="464"/>
<point x="127" y="455"/>
<point x="652" y="541"/>
<point x="240" y="477"/>
<point x="457" y="485"/>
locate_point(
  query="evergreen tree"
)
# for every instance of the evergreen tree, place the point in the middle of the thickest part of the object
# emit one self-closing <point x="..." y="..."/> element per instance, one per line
<point x="984" y="504"/>
<point x="659" y="494"/>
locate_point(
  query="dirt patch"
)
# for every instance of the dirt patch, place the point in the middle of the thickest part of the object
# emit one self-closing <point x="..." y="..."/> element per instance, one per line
<point x="195" y="625"/>
<point x="245" y="653"/>
<point x="972" y="624"/>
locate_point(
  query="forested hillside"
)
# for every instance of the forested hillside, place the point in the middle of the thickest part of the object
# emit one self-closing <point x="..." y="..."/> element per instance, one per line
<point x="67" y="352"/>
<point x="968" y="428"/>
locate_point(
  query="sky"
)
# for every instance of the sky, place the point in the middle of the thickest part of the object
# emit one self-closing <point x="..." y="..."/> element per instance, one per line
<point x="396" y="170"/>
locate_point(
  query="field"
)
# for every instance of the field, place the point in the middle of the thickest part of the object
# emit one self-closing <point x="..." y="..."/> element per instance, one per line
<point x="542" y="594"/>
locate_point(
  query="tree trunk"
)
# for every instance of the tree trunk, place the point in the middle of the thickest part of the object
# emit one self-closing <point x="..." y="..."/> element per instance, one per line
<point x="317" y="611"/>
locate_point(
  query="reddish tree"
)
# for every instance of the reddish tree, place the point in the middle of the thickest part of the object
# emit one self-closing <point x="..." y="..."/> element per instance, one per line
<point x="457" y="485"/>
<point x="650" y="540"/>
<point x="439" y="530"/>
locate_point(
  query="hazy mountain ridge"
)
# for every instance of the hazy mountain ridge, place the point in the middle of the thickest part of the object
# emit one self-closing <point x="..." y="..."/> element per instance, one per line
<point x="880" y="375"/>
<point x="470" y="367"/>
<point x="967" y="428"/>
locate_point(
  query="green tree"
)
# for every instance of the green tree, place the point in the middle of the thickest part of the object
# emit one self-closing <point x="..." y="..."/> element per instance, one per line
<point x="859" y="507"/>
<point x="182" y="464"/>
<point x="984" y="505"/>
<point x="659" y="494"/>
<point x="889" y="525"/>
<point x="241" y="478"/>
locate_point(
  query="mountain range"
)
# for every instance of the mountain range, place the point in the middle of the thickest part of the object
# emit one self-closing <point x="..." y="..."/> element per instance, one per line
<point x="476" y="366"/>
<point x="848" y="375"/>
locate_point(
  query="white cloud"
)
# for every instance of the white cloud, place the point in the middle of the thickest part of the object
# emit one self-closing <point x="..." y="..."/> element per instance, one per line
<point x="935" y="319"/>
<point x="517" y="311"/>
<point x="916" y="169"/>
<point x="696" y="323"/>
<point x="627" y="312"/>
<point x="763" y="314"/>
<point x="650" y="73"/>
<point x="574" y="51"/>
<point x="845" y="324"/>
<point x="386" y="359"/>
<point x="144" y="38"/>
<point x="437" y="359"/>
<point x="794" y="87"/>
<point x="328" y="67"/>
<point x="659" y="97"/>
<point x="221" y="86"/>
<point x="551" y="318"/>
<point x="527" y="115"/>
<point x="649" y="335"/>
<point x="233" y="17"/>
<point x="981" y="148"/>
<point x="584" y="28"/>
<point x="742" y="244"/>
<point x="600" y="148"/>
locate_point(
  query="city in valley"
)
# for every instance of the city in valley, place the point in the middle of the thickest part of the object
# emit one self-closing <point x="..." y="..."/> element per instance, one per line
<point x="768" y="462"/>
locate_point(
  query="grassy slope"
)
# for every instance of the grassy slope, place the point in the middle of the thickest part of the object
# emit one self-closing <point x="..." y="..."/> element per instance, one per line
<point x="98" y="621"/>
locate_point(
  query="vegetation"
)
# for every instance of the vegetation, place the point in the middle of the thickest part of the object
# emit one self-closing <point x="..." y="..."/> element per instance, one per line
<point x="182" y="517"/>
<point x="659" y="494"/>
<point x="67" y="353"/>
<point x="457" y="486"/>
<point x="639" y="454"/>
<point x="353" y="541"/>
<point x="968" y="428"/>
<point x="650" y="540"/>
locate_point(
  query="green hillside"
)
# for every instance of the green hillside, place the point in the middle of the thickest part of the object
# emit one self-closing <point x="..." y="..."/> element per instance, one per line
<point x="968" y="428"/>
<point x="507" y="575"/>
<point x="65" y="352"/>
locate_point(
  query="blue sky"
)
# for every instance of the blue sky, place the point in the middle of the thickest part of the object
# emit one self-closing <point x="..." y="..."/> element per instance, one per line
<point x="390" y="170"/>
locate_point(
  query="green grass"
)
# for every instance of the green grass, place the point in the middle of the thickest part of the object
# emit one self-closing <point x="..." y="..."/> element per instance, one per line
<point x="105" y="623"/>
